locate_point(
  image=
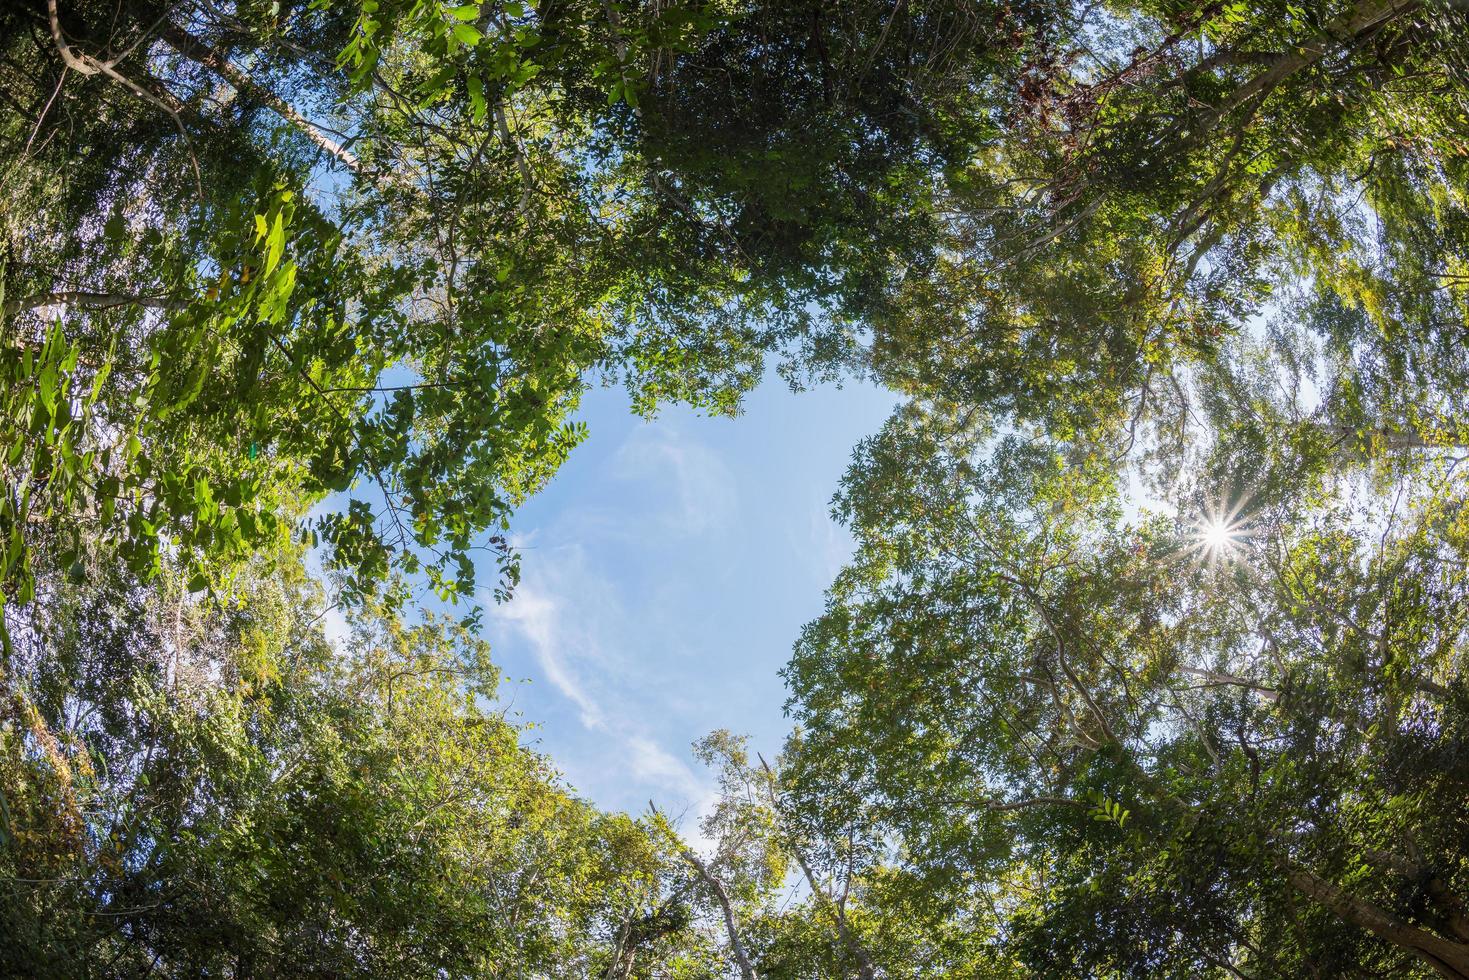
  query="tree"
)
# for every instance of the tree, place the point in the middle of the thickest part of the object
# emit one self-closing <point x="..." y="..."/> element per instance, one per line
<point x="1147" y="756"/>
<point x="1057" y="210"/>
<point x="193" y="788"/>
<point x="314" y="250"/>
<point x="1215" y="254"/>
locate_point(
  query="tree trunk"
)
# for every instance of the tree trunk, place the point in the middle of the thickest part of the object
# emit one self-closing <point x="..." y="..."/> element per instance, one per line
<point x="215" y="60"/>
<point x="1448" y="958"/>
<point x="1362" y="19"/>
<point x="721" y="895"/>
<point x="747" y="972"/>
<point x="865" y="969"/>
<point x="1395" y="438"/>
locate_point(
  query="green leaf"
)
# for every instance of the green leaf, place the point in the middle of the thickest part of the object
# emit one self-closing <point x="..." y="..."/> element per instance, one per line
<point x="478" y="108"/>
<point x="99" y="380"/>
<point x="275" y="244"/>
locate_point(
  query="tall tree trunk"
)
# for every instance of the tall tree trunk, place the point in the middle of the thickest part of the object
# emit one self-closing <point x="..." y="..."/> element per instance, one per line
<point x="1343" y="31"/>
<point x="1448" y="958"/>
<point x="865" y="969"/>
<point x="202" y="53"/>
<point x="624" y="953"/>
<point x="1395" y="438"/>
<point x="721" y="895"/>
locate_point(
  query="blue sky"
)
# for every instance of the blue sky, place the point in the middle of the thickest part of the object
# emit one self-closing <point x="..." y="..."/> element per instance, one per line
<point x="666" y="572"/>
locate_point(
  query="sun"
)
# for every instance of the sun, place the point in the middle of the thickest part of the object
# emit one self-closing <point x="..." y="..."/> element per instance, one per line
<point x="1217" y="537"/>
<point x="1219" y="532"/>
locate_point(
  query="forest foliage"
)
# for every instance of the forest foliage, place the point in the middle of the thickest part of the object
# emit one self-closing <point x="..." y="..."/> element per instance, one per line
<point x="1150" y="657"/>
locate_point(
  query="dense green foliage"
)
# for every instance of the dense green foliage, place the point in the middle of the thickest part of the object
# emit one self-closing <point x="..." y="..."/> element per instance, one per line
<point x="1149" y="662"/>
<point x="217" y="791"/>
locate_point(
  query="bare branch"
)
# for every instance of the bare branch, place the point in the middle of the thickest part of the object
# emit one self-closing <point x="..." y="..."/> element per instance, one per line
<point x="91" y="300"/>
<point x="721" y="894"/>
<point x="212" y="58"/>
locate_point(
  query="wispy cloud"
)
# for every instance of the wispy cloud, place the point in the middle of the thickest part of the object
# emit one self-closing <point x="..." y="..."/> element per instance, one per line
<point x="653" y="763"/>
<point x="702" y="484"/>
<point x="568" y="622"/>
<point x="536" y="617"/>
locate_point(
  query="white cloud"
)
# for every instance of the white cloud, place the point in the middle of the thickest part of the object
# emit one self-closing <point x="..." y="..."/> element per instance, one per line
<point x="567" y="619"/>
<point x="654" y="764"/>
<point x="536" y="617"/>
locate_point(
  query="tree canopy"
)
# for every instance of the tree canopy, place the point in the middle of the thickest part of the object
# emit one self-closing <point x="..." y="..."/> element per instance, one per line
<point x="1150" y="657"/>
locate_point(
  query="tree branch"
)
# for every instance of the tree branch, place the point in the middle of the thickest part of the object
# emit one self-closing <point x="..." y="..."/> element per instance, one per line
<point x="1448" y="958"/>
<point x="1233" y="680"/>
<point x="96" y="301"/>
<point x="205" y="54"/>
<point x="721" y="895"/>
<point x="87" y="65"/>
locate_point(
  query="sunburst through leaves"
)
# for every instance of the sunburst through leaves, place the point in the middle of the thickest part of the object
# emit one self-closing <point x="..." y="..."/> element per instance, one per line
<point x="1220" y="532"/>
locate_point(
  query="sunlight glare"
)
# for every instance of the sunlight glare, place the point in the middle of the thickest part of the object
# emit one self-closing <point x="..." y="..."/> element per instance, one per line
<point x="1220" y="532"/>
<point x="1218" y="536"/>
